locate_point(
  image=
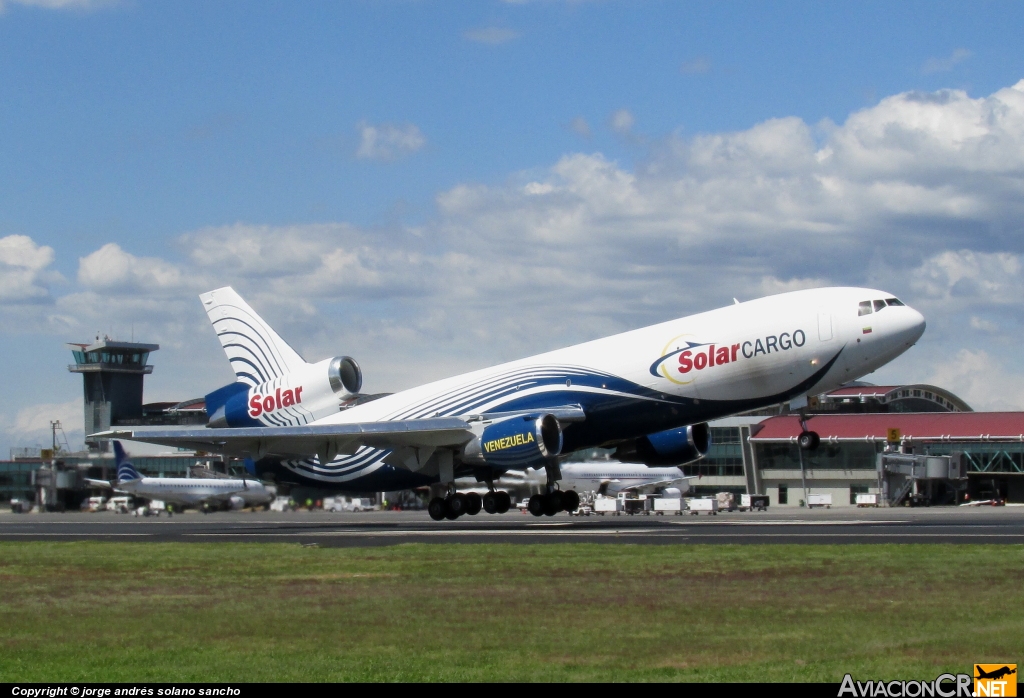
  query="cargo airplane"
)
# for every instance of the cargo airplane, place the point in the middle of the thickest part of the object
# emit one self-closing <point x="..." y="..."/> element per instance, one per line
<point x="647" y="393"/>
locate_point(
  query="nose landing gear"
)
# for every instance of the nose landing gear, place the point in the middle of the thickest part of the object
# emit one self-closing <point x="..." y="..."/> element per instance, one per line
<point x="808" y="440"/>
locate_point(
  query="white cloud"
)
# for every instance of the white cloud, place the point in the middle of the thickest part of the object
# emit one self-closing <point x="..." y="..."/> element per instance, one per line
<point x="580" y="127"/>
<point x="944" y="65"/>
<point x="696" y="66"/>
<point x="979" y="278"/>
<point x="983" y="381"/>
<point x="492" y="36"/>
<point x="24" y="273"/>
<point x="111" y="269"/>
<point x="60" y="4"/>
<point x="622" y="121"/>
<point x="30" y="426"/>
<point x="388" y="141"/>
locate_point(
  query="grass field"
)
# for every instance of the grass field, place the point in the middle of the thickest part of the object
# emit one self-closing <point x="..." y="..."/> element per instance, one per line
<point x="259" y="612"/>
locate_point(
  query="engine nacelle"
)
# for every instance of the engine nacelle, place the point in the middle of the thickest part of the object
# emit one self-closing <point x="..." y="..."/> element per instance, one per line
<point x="296" y="398"/>
<point x="671" y="447"/>
<point x="516" y="443"/>
<point x="235" y="502"/>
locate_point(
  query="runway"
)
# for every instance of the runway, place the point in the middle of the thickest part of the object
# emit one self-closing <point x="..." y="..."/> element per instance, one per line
<point x="848" y="525"/>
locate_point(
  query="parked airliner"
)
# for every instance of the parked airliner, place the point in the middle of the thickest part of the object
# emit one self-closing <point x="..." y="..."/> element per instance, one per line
<point x="230" y="493"/>
<point x="598" y="476"/>
<point x="647" y="393"/>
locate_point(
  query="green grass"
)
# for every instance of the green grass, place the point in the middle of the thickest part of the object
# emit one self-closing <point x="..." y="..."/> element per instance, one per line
<point x="219" y="612"/>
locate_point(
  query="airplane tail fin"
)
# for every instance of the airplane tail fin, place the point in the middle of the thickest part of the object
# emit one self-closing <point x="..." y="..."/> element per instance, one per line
<point x="125" y="470"/>
<point x="256" y="352"/>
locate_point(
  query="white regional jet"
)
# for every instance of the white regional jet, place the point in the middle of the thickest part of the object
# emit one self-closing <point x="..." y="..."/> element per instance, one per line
<point x="647" y="393"/>
<point x="599" y="476"/>
<point x="232" y="493"/>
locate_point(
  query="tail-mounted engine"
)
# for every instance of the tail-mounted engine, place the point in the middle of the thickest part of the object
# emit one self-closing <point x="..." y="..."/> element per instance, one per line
<point x="516" y="443"/>
<point x="309" y="393"/>
<point x="672" y="447"/>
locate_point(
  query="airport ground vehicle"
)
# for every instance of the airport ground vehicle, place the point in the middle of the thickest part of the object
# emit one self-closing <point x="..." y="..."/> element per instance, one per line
<point x="867" y="500"/>
<point x="708" y="505"/>
<point x="726" y="501"/>
<point x="753" y="502"/>
<point x="607" y="505"/>
<point x="94" y="504"/>
<point x="282" y="504"/>
<point x="155" y="507"/>
<point x="819" y="500"/>
<point x="19" y="506"/>
<point x="120" y="505"/>
<point x="668" y="505"/>
<point x="338" y="504"/>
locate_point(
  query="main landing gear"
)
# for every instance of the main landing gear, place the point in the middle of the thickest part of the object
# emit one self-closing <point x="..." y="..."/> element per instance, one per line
<point x="456" y="504"/>
<point x="553" y="502"/>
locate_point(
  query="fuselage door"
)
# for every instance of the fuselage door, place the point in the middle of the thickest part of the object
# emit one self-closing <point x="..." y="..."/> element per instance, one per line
<point x="824" y="324"/>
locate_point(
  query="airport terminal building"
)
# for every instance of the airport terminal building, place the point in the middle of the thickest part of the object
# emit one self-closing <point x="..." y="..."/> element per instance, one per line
<point x="759" y="453"/>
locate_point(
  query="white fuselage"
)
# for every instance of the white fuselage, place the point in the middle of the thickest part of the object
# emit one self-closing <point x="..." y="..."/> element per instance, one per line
<point x="676" y="373"/>
<point x="196" y="491"/>
<point x="612" y="478"/>
<point x="607" y="477"/>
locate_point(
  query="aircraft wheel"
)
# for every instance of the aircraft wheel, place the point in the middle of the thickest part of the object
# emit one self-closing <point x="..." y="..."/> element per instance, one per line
<point x="553" y="503"/>
<point x="808" y="440"/>
<point x="473" y="503"/>
<point x="570" y="500"/>
<point x="490" y="502"/>
<point x="437" y="509"/>
<point x="537" y="504"/>
<point x="504" y="502"/>
<point x="457" y="506"/>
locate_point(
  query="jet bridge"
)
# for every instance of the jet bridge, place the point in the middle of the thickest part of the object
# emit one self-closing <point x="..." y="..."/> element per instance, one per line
<point x="920" y="479"/>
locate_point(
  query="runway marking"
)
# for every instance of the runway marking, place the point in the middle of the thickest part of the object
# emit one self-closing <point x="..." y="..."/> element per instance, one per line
<point x="445" y="532"/>
<point x="793" y="522"/>
<point x="119" y="535"/>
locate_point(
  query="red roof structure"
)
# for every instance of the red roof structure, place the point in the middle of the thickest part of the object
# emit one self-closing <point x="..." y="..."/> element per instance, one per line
<point x="913" y="426"/>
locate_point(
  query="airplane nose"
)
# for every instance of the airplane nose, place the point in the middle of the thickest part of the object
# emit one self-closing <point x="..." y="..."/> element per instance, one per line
<point x="915" y="326"/>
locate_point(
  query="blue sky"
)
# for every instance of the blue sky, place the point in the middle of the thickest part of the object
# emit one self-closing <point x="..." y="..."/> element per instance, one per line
<point x="396" y="139"/>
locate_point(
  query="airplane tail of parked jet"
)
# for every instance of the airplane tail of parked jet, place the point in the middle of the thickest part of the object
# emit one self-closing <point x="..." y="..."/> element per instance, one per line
<point x="126" y="472"/>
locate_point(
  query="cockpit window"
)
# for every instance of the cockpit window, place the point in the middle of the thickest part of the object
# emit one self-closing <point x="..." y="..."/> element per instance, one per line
<point x="864" y="308"/>
<point x="894" y="301"/>
<point x="879" y="305"/>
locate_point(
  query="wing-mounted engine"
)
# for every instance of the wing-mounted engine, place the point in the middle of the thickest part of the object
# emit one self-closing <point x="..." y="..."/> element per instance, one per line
<point x="235" y="502"/>
<point x="515" y="443"/>
<point x="301" y="396"/>
<point x="671" y="447"/>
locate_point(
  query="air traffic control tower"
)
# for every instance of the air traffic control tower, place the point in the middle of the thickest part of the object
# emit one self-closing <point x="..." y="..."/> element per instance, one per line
<point x="112" y="375"/>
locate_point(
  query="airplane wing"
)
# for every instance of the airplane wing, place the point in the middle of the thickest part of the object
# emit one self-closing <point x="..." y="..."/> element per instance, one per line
<point x="652" y="487"/>
<point x="99" y="483"/>
<point x="326" y="440"/>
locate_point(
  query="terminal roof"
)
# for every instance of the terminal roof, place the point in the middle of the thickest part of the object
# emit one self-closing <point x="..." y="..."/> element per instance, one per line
<point x="913" y="426"/>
